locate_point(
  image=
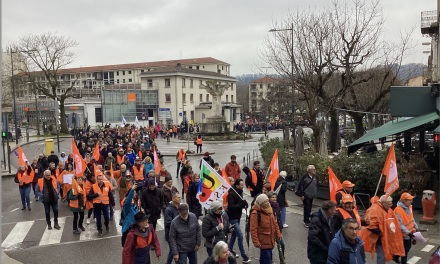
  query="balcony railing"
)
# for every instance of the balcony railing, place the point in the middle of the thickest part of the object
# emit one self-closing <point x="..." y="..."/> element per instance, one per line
<point x="429" y="22"/>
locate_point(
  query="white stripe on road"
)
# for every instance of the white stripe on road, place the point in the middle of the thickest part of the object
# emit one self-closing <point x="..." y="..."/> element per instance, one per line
<point x="17" y="234"/>
<point x="160" y="225"/>
<point x="13" y="210"/>
<point x="53" y="236"/>
<point x="116" y="219"/>
<point x="428" y="248"/>
<point x="90" y="232"/>
<point x="413" y="260"/>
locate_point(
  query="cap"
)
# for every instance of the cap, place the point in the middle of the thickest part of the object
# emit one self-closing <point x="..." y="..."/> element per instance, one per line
<point x="406" y="196"/>
<point x="347" y="184"/>
<point x="347" y="198"/>
<point x="140" y="217"/>
<point x="183" y="209"/>
<point x="206" y="154"/>
<point x="151" y="182"/>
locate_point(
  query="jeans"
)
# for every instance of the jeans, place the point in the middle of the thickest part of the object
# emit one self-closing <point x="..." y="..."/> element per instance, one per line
<point x="199" y="146"/>
<point x="192" y="256"/>
<point x="25" y="199"/>
<point x="307" y="202"/>
<point x="34" y="184"/>
<point x="111" y="211"/>
<point x="170" y="255"/>
<point x="54" y="209"/>
<point x="209" y="251"/>
<point x="179" y="164"/>
<point x="380" y="255"/>
<point x="283" y="215"/>
<point x="236" y="234"/>
<point x="265" y="256"/>
<point x="407" y="245"/>
<point x="153" y="222"/>
<point x="89" y="213"/>
<point x="77" y="223"/>
<point x="98" y="208"/>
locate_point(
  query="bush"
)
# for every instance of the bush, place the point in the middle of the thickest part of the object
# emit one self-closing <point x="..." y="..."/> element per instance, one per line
<point x="285" y="157"/>
<point x="320" y="162"/>
<point x="50" y="128"/>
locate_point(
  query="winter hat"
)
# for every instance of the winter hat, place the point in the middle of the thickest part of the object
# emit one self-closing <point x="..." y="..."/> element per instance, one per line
<point x="151" y="182"/>
<point x="206" y="154"/>
<point x="216" y="205"/>
<point x="261" y="199"/>
<point x="140" y="217"/>
<point x="168" y="178"/>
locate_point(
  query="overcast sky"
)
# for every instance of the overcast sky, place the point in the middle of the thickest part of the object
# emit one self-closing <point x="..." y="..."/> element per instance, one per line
<point x="118" y="32"/>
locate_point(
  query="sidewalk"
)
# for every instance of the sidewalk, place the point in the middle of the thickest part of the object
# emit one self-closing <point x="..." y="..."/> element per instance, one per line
<point x="8" y="260"/>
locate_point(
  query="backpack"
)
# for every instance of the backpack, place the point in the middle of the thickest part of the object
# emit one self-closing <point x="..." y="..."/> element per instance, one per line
<point x="248" y="179"/>
<point x="248" y="220"/>
<point x="124" y="237"/>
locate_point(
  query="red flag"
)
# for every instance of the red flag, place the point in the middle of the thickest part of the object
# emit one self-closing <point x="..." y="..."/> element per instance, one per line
<point x="390" y="170"/>
<point x="96" y="152"/>
<point x="334" y="183"/>
<point x="22" y="161"/>
<point x="157" y="165"/>
<point x="80" y="164"/>
<point x="274" y="170"/>
<point x="111" y="169"/>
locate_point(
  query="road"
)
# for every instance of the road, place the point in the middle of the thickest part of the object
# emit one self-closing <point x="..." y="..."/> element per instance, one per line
<point x="26" y="238"/>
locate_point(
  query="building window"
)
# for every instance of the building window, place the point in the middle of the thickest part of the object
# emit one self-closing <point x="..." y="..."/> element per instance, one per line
<point x="197" y="67"/>
<point x="123" y="72"/>
<point x="207" y="98"/>
<point x="183" y="82"/>
<point x="190" y="67"/>
<point x="123" y="80"/>
<point x="149" y="83"/>
<point x="130" y="80"/>
<point x="190" y="83"/>
<point x="191" y="98"/>
<point x="117" y="73"/>
<point x="232" y="98"/>
<point x="232" y="87"/>
<point x="222" y="67"/>
<point x="184" y="97"/>
<point x="89" y="75"/>
<point x="167" y="98"/>
<point x="227" y="96"/>
<point x="200" y="82"/>
<point x="261" y="86"/>
<point x="201" y="98"/>
<point x="129" y="72"/>
<point x="167" y="82"/>
<point x="117" y="81"/>
<point x="142" y="70"/>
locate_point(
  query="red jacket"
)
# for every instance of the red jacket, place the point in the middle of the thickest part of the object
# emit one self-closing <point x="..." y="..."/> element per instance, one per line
<point x="233" y="171"/>
<point x="142" y="246"/>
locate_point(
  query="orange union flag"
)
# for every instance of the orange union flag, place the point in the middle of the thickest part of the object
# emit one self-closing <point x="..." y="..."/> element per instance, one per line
<point x="390" y="170"/>
<point x="80" y="165"/>
<point x="96" y="152"/>
<point x="157" y="165"/>
<point x="274" y="169"/>
<point x="334" y="184"/>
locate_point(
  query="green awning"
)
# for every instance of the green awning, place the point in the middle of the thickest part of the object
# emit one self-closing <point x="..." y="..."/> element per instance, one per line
<point x="437" y="130"/>
<point x="391" y="128"/>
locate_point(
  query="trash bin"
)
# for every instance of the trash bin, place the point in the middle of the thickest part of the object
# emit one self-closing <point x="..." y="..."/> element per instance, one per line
<point x="49" y="146"/>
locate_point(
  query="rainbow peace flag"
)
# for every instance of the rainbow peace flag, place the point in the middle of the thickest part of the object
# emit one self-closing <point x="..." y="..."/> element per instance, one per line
<point x="212" y="186"/>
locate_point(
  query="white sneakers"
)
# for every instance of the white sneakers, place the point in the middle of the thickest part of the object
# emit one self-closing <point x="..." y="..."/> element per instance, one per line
<point x="88" y="221"/>
<point x="285" y="225"/>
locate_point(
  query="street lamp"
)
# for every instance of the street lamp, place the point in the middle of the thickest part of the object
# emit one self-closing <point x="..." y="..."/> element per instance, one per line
<point x="293" y="90"/>
<point x="13" y="89"/>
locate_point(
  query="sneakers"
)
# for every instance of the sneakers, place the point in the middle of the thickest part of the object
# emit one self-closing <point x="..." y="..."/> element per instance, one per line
<point x="107" y="229"/>
<point x="23" y="208"/>
<point x="76" y="232"/>
<point x="235" y="255"/>
<point x="88" y="221"/>
<point x="306" y="224"/>
<point x="99" y="233"/>
<point x="285" y="226"/>
<point x="37" y="198"/>
<point x="152" y="247"/>
<point x="246" y="259"/>
<point x="29" y="208"/>
<point x="82" y="228"/>
<point x="57" y="227"/>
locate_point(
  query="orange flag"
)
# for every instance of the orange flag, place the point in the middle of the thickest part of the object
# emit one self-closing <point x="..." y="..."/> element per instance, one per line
<point x="225" y="196"/>
<point x="157" y="165"/>
<point x="390" y="170"/>
<point x="76" y="188"/>
<point x="96" y="152"/>
<point x="22" y="161"/>
<point x="99" y="172"/>
<point x="111" y="169"/>
<point x="334" y="183"/>
<point x="80" y="165"/>
<point x="274" y="170"/>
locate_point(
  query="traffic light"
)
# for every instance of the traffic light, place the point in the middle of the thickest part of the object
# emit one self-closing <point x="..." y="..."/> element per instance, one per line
<point x="241" y="116"/>
<point x="436" y="138"/>
<point x="57" y="114"/>
<point x="3" y="134"/>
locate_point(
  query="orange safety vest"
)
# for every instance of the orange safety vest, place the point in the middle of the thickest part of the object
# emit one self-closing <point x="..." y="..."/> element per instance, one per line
<point x="54" y="183"/>
<point x="346" y="215"/>
<point x="408" y="221"/>
<point x="103" y="197"/>
<point x="182" y="156"/>
<point x="199" y="141"/>
<point x="138" y="174"/>
<point x="24" y="177"/>
<point x="74" y="203"/>
<point x="254" y="179"/>
<point x="120" y="159"/>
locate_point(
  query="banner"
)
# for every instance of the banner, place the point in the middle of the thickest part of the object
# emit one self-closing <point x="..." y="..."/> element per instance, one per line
<point x="390" y="170"/>
<point x="96" y="152"/>
<point x="334" y="184"/>
<point x="157" y="165"/>
<point x="212" y="186"/>
<point x="274" y="170"/>
<point x="80" y="165"/>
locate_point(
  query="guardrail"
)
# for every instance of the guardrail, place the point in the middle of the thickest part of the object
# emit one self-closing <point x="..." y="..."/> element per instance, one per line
<point x="247" y="159"/>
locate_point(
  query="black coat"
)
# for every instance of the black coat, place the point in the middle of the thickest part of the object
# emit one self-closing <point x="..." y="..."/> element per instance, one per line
<point x="194" y="204"/>
<point x="281" y="197"/>
<point x="319" y="238"/>
<point x="53" y="158"/>
<point x="152" y="203"/>
<point x="210" y="232"/>
<point x="277" y="214"/>
<point x="235" y="204"/>
<point x="43" y="162"/>
<point x="210" y="260"/>
<point x="208" y="160"/>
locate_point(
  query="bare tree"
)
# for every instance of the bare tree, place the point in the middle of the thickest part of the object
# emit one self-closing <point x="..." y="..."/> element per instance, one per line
<point x="47" y="64"/>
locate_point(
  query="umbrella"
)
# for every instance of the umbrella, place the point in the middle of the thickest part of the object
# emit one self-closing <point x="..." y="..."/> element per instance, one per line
<point x="280" y="251"/>
<point x="323" y="139"/>
<point x="248" y="224"/>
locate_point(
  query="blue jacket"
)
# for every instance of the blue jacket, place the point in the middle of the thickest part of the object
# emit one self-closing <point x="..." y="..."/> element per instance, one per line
<point x="340" y="252"/>
<point x="170" y="213"/>
<point x="147" y="168"/>
<point x="39" y="192"/>
<point x="402" y="226"/>
<point x="129" y="211"/>
<point x="131" y="157"/>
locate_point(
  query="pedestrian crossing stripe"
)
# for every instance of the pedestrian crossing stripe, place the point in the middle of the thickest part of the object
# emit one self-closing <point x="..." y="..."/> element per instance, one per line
<point x="17" y="234"/>
<point x="53" y="236"/>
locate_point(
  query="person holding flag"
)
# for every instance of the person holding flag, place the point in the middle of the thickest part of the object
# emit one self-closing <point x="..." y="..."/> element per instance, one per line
<point x="346" y="210"/>
<point x="347" y="188"/>
<point x="24" y="180"/>
<point x="281" y="186"/>
<point x="77" y="203"/>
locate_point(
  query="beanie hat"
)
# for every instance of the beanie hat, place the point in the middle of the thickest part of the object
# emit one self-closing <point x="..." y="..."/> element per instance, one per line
<point x="151" y="182"/>
<point x="168" y="178"/>
<point x="216" y="205"/>
<point x="261" y="199"/>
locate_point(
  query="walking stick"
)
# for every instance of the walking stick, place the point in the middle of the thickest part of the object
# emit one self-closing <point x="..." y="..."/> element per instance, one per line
<point x="377" y="188"/>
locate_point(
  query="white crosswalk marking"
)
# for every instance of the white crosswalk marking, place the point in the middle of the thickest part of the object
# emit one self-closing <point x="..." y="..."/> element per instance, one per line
<point x="17" y="234"/>
<point x="413" y="260"/>
<point x="53" y="236"/>
<point x="117" y="218"/>
<point x="90" y="232"/>
<point x="427" y="248"/>
<point x="160" y="225"/>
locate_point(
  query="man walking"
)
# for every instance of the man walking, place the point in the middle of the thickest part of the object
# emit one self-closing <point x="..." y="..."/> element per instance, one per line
<point x="185" y="236"/>
<point x="47" y="190"/>
<point x="102" y="198"/>
<point x="281" y="197"/>
<point x="233" y="169"/>
<point x="257" y="179"/>
<point x="152" y="201"/>
<point x="308" y="187"/>
<point x="408" y="225"/>
<point x="170" y="213"/>
<point x="38" y="174"/>
<point x="180" y="158"/>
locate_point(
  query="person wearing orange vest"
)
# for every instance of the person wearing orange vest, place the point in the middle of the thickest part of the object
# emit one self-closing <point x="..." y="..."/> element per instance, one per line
<point x="89" y="204"/>
<point x="175" y="131"/>
<point x="347" y="188"/>
<point x="102" y="198"/>
<point x="65" y="187"/>
<point x="257" y="179"/>
<point x="180" y="158"/>
<point x="408" y="225"/>
<point x="139" y="175"/>
<point x="346" y="210"/>
<point x="383" y="235"/>
<point x="199" y="141"/>
<point x="48" y="190"/>
<point x="24" y="180"/>
<point x="120" y="158"/>
<point x="123" y="178"/>
<point x="77" y="205"/>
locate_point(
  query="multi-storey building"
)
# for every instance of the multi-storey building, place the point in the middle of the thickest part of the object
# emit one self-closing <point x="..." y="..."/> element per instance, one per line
<point x="258" y="92"/>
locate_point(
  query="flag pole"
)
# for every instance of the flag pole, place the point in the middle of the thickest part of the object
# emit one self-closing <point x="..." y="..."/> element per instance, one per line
<point x="377" y="188"/>
<point x="267" y="174"/>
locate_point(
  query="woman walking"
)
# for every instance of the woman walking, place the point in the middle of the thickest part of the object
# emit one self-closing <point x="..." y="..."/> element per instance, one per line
<point x="77" y="204"/>
<point x="273" y="196"/>
<point x="69" y="172"/>
<point x="220" y="255"/>
<point x="24" y="181"/>
<point x="194" y="204"/>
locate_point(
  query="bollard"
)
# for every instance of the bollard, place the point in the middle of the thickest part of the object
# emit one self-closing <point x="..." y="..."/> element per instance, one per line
<point x="428" y="203"/>
<point x="244" y="161"/>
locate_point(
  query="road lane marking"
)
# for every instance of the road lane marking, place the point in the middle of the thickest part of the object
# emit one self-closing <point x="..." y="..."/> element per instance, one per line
<point x="13" y="210"/>
<point x="53" y="236"/>
<point x="17" y="234"/>
<point x="413" y="260"/>
<point x="428" y="248"/>
<point x="90" y="232"/>
<point x="116" y="219"/>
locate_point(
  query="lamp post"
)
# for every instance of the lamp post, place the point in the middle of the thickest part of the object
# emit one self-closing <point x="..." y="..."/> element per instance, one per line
<point x="13" y="89"/>
<point x="293" y="90"/>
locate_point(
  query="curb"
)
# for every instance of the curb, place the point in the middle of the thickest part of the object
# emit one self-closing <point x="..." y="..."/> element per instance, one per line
<point x="8" y="260"/>
<point x="191" y="155"/>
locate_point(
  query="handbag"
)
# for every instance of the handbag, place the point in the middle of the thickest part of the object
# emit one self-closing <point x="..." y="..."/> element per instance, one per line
<point x="298" y="193"/>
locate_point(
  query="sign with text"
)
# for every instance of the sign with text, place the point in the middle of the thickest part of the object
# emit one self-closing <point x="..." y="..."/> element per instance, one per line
<point x="131" y="97"/>
<point x="164" y="114"/>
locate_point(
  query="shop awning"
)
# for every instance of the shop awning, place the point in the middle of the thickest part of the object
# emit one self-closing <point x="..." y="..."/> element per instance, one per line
<point x="391" y="128"/>
<point x="437" y="130"/>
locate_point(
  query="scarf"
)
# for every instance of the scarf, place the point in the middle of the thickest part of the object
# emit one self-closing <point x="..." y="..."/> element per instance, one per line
<point x="274" y="205"/>
<point x="268" y="210"/>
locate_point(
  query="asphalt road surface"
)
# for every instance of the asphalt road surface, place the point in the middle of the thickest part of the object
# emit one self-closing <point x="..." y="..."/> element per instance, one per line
<point x="25" y="236"/>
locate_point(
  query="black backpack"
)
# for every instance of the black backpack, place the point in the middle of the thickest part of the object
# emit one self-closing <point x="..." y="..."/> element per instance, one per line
<point x="124" y="237"/>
